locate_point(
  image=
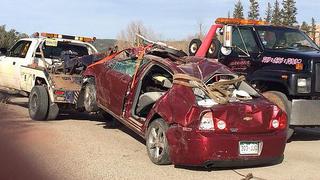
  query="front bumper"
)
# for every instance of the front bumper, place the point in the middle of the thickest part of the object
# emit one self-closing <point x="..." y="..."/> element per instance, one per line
<point x="222" y="150"/>
<point x="305" y="112"/>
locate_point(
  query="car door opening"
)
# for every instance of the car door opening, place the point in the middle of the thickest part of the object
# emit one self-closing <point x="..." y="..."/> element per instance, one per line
<point x="155" y="83"/>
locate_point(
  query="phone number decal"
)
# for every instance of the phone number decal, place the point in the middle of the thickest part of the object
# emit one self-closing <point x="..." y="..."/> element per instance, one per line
<point x="281" y="60"/>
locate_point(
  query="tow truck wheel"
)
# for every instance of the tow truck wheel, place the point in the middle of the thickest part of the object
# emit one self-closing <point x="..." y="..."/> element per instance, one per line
<point x="38" y="103"/>
<point x="157" y="143"/>
<point x="90" y="100"/>
<point x="214" y="49"/>
<point x="4" y="97"/>
<point x="194" y="46"/>
<point x="282" y="101"/>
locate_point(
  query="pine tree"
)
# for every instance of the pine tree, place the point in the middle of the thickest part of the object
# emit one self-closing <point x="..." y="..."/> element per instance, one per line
<point x="254" y="10"/>
<point x="289" y="12"/>
<point x="313" y="29"/>
<point x="305" y="27"/>
<point x="238" y="10"/>
<point x="268" y="13"/>
<point x="276" y="14"/>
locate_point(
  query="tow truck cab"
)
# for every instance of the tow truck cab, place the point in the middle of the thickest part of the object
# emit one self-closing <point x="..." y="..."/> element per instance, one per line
<point x="282" y="62"/>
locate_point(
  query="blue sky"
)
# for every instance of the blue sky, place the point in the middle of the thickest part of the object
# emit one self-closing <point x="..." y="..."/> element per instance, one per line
<point x="172" y="19"/>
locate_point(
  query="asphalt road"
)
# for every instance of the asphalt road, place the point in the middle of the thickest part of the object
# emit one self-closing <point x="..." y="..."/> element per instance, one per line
<point x="84" y="147"/>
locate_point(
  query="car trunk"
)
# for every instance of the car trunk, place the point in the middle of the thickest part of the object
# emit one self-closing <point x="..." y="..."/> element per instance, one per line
<point x="248" y="117"/>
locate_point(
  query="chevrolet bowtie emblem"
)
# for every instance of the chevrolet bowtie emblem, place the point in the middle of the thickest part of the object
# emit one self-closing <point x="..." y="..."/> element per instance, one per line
<point x="247" y="118"/>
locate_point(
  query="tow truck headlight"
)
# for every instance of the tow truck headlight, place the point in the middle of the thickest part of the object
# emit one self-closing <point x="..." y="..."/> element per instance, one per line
<point x="206" y="122"/>
<point x="302" y="82"/>
<point x="304" y="85"/>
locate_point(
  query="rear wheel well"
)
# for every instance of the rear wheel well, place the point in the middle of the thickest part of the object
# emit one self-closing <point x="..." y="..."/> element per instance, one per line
<point x="264" y="86"/>
<point x="154" y="117"/>
<point x="90" y="79"/>
<point x="40" y="81"/>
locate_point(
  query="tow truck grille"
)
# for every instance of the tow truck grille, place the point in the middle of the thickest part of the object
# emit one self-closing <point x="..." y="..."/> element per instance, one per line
<point x="317" y="78"/>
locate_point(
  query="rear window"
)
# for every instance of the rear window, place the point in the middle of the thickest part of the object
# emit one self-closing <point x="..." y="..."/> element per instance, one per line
<point x="55" y="51"/>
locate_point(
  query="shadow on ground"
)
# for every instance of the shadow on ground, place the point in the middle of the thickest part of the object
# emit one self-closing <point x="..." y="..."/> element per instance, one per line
<point x="306" y="134"/>
<point x="114" y="124"/>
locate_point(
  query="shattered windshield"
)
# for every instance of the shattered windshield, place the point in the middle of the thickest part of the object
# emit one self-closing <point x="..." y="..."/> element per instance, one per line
<point x="282" y="38"/>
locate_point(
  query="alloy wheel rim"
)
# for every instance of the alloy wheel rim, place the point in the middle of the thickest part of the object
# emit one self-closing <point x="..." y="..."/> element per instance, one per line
<point x="156" y="142"/>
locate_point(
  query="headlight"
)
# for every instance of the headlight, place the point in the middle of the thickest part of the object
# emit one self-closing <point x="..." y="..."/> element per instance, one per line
<point x="304" y="85"/>
<point x="302" y="82"/>
<point x="207" y="122"/>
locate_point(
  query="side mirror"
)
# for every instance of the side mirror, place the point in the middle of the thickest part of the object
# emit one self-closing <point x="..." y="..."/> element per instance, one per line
<point x="226" y="49"/>
<point x="3" y="51"/>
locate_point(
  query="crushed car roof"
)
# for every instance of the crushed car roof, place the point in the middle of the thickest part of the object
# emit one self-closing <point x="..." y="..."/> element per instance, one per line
<point x="202" y="68"/>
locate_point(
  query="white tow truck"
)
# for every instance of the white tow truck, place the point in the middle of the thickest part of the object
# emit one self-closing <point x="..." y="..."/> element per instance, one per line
<point x="35" y="67"/>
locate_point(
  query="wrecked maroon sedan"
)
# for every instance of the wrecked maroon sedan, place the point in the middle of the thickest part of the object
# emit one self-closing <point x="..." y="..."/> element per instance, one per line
<point x="191" y="111"/>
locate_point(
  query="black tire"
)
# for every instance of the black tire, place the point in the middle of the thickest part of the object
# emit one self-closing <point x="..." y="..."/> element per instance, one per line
<point x="38" y="103"/>
<point x="3" y="97"/>
<point x="214" y="49"/>
<point x="53" y="111"/>
<point x="194" y="46"/>
<point x="157" y="143"/>
<point x="90" y="98"/>
<point x="282" y="101"/>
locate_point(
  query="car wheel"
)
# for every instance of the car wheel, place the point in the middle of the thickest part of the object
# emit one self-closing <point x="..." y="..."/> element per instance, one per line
<point x="194" y="46"/>
<point x="90" y="99"/>
<point x="38" y="103"/>
<point x="157" y="143"/>
<point x="282" y="101"/>
<point x="214" y="49"/>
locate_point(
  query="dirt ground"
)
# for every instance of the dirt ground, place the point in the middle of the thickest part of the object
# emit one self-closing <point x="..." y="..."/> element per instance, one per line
<point x="84" y="147"/>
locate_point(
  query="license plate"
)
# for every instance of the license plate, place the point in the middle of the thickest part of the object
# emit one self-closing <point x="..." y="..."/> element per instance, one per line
<point x="250" y="148"/>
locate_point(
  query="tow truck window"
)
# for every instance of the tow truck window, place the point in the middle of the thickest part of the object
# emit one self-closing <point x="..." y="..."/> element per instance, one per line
<point x="244" y="40"/>
<point x="54" y="52"/>
<point x="281" y="38"/>
<point x="20" y="49"/>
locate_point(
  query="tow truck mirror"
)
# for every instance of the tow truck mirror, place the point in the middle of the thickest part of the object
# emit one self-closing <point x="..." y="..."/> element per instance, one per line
<point x="226" y="49"/>
<point x="3" y="51"/>
<point x="227" y="36"/>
